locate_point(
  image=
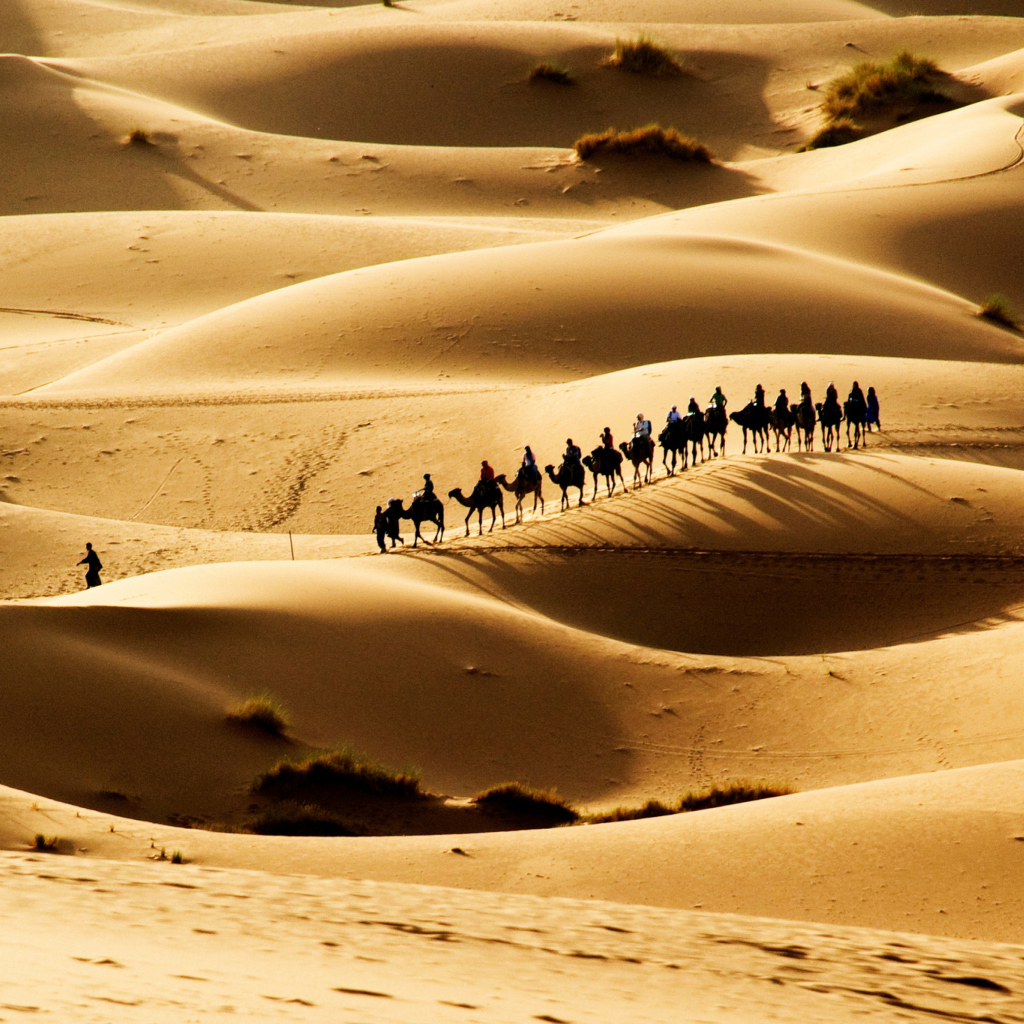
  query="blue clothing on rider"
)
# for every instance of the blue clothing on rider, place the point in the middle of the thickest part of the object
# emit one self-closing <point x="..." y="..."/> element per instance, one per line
<point x="872" y="401"/>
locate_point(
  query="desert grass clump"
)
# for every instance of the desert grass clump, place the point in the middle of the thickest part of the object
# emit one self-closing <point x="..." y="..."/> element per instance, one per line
<point x="651" y="809"/>
<point x="177" y="858"/>
<point x="523" y="801"/>
<point x="262" y="711"/>
<point x="337" y="769"/>
<point x="44" y="844"/>
<point x="295" y="819"/>
<point x="837" y="133"/>
<point x="998" y="310"/>
<point x="138" y="137"/>
<point x="651" y="140"/>
<point x="551" y="73"/>
<point x="731" y="793"/>
<point x="643" y="56"/>
<point x="870" y="87"/>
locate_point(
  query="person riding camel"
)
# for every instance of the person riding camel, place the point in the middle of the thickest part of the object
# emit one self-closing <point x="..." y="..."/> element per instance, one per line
<point x="831" y="395"/>
<point x="718" y="400"/>
<point x="606" y="438"/>
<point x="530" y="471"/>
<point x="486" y="473"/>
<point x="782" y="404"/>
<point x="693" y="407"/>
<point x="673" y="415"/>
<point x="856" y="395"/>
<point x="805" y="395"/>
<point x="427" y="494"/>
<point x="573" y="454"/>
<point x="642" y="427"/>
<point x="759" y="397"/>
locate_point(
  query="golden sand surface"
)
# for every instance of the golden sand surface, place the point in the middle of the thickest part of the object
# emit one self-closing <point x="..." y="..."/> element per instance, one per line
<point x="265" y="265"/>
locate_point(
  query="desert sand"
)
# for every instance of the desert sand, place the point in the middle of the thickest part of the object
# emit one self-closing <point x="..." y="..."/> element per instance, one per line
<point x="265" y="265"/>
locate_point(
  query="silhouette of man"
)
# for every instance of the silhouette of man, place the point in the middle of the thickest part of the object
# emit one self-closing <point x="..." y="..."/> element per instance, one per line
<point x="427" y="494"/>
<point x="606" y="438"/>
<point x="782" y="404"/>
<point x="872" y="416"/>
<point x="92" y="573"/>
<point x="693" y="406"/>
<point x="573" y="454"/>
<point x="759" y="397"/>
<point x="380" y="527"/>
<point x="393" y="515"/>
<point x="673" y="415"/>
<point x="486" y="472"/>
<point x="530" y="470"/>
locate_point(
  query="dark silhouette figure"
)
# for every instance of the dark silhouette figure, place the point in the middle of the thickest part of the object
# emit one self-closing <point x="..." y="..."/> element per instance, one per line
<point x="830" y="416"/>
<point x="715" y="425"/>
<point x="92" y="574"/>
<point x="393" y="517"/>
<point x="525" y="483"/>
<point x="753" y="418"/>
<point x="873" y="412"/>
<point x="805" y="418"/>
<point x="640" y="451"/>
<point x="674" y="438"/>
<point x="380" y="527"/>
<point x="425" y="508"/>
<point x="856" y="410"/>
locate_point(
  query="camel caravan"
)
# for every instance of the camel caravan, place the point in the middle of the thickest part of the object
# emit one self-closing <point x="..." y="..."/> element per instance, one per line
<point x="682" y="437"/>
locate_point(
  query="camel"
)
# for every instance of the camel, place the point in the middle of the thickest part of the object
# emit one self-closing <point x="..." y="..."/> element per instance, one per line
<point x="521" y="486"/>
<point x="856" y="417"/>
<point x="641" y="453"/>
<point x="715" y="425"/>
<point x="782" y="421"/>
<point x="423" y="510"/>
<point x="573" y="476"/>
<point x="606" y="462"/>
<point x="674" y="438"/>
<point x="483" y="496"/>
<point x="805" y="419"/>
<point x="754" y="420"/>
<point x="830" y="416"/>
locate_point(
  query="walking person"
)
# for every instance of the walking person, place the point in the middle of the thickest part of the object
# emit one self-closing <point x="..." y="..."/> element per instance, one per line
<point x="873" y="413"/>
<point x="92" y="573"/>
<point x="380" y="527"/>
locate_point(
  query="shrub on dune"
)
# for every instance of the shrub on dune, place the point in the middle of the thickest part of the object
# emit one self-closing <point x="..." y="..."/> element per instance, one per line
<point x="551" y="73"/>
<point x="643" y="56"/>
<point x="138" y="137"/>
<point x="870" y="87"/>
<point x="337" y="769"/>
<point x="651" y="140"/>
<point x="998" y="309"/>
<point x="262" y="711"/>
<point x="293" y="819"/>
<point x="516" y="799"/>
<point x="700" y="800"/>
<point x="838" y="133"/>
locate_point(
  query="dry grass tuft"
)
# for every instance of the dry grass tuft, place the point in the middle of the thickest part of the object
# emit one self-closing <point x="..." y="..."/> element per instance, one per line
<point x="838" y="133"/>
<point x="263" y="711"/>
<point x="46" y="845"/>
<point x="713" y="796"/>
<point x="138" y="137"/>
<point x="651" y="140"/>
<point x="517" y="799"/>
<point x="998" y="310"/>
<point x="551" y="73"/>
<point x="870" y="87"/>
<point x="643" y="56"/>
<point x="294" y="819"/>
<point x="337" y="769"/>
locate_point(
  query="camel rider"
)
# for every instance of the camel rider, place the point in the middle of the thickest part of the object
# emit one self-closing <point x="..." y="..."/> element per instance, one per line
<point x="856" y="395"/>
<point x="759" y="397"/>
<point x="606" y="438"/>
<point x="718" y="400"/>
<point x="486" y="473"/>
<point x="673" y="415"/>
<point x="573" y="454"/>
<point x="642" y="427"/>
<point x="427" y="494"/>
<point x="831" y="395"/>
<point x="530" y="471"/>
<point x="782" y="404"/>
<point x="693" y="407"/>
<point x="805" y="395"/>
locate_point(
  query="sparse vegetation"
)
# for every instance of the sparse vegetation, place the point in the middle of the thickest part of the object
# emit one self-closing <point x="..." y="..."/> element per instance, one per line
<point x="899" y="90"/>
<point x="46" y="845"/>
<point x="294" y="819"/>
<point x="522" y="801"/>
<point x="138" y="137"/>
<point x="651" y="140"/>
<point x="699" y="800"/>
<point x="263" y="711"/>
<point x="333" y="769"/>
<point x="870" y="87"/>
<point x="838" y="133"/>
<point x="177" y="858"/>
<point x="998" y="310"/>
<point x="643" y="56"/>
<point x="551" y="73"/>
